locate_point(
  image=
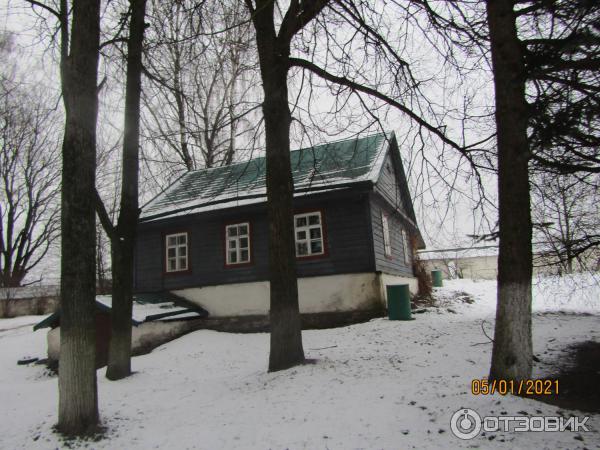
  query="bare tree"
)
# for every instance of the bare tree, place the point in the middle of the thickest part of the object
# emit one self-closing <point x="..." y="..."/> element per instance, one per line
<point x="274" y="56"/>
<point x="122" y="235"/>
<point x="566" y="210"/>
<point x="29" y="212"/>
<point x="200" y="82"/>
<point x="79" y="54"/>
<point x="103" y="275"/>
<point x="275" y="31"/>
<point x="78" y="31"/>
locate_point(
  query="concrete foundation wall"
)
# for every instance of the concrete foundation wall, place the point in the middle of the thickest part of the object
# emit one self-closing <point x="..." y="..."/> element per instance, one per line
<point x="144" y="337"/>
<point x="334" y="293"/>
<point x="324" y="301"/>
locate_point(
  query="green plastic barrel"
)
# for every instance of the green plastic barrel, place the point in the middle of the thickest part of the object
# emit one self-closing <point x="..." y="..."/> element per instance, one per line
<point x="436" y="277"/>
<point x="398" y="297"/>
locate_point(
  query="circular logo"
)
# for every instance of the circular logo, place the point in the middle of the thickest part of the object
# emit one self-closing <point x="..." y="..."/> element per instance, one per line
<point x="465" y="424"/>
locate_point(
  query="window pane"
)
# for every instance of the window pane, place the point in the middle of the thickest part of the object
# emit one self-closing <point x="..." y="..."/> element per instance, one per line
<point x="232" y="231"/>
<point x="232" y="257"/>
<point x="182" y="239"/>
<point x="301" y="235"/>
<point x="183" y="263"/>
<point x="301" y="248"/>
<point x="182" y="251"/>
<point x="314" y="219"/>
<point x="316" y="247"/>
<point x="244" y="255"/>
<point x="171" y="265"/>
<point x="171" y="252"/>
<point x="301" y="222"/>
<point x="243" y="242"/>
<point x="171" y="240"/>
<point x="232" y="243"/>
<point x="243" y="229"/>
<point x="315" y="233"/>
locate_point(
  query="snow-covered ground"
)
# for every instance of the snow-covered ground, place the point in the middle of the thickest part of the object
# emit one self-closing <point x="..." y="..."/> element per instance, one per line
<point x="376" y="385"/>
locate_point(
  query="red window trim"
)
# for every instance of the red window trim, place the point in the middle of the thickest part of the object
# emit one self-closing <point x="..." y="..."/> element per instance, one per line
<point x="166" y="233"/>
<point x="250" y="241"/>
<point x="325" y="253"/>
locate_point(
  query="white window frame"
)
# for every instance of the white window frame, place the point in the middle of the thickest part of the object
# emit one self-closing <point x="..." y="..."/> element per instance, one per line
<point x="237" y="248"/>
<point x="180" y="254"/>
<point x="405" y="246"/>
<point x="387" y="239"/>
<point x="306" y="229"/>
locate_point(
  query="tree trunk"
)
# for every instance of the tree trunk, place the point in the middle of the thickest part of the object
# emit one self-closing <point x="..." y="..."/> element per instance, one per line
<point x="512" y="350"/>
<point x="78" y="395"/>
<point x="286" y="332"/>
<point x="119" y="351"/>
<point x="123" y="240"/>
<point x="14" y="279"/>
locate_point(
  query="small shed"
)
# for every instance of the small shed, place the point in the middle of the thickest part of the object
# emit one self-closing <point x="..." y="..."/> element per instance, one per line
<point x="157" y="318"/>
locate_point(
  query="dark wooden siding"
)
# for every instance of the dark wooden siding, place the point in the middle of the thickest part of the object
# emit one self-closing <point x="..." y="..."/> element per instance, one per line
<point x="388" y="185"/>
<point x="348" y="232"/>
<point x="394" y="264"/>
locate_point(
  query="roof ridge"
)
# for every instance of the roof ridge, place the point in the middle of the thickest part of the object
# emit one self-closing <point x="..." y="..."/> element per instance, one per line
<point x="356" y="138"/>
<point x="384" y="133"/>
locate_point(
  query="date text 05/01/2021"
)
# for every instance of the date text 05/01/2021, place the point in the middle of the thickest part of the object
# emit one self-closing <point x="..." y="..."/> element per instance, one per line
<point x="484" y="386"/>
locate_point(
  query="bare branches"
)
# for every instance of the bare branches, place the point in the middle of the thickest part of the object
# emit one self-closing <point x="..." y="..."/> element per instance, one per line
<point x="29" y="189"/>
<point x="200" y="100"/>
<point x="300" y="13"/>
<point x="566" y="207"/>
<point x="439" y="132"/>
<point x="103" y="216"/>
<point x="51" y="10"/>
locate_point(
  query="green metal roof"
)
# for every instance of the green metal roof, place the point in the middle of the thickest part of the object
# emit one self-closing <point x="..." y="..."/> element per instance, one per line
<point x="323" y="167"/>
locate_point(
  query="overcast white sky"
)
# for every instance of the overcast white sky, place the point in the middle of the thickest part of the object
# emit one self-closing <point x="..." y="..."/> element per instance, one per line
<point x="444" y="222"/>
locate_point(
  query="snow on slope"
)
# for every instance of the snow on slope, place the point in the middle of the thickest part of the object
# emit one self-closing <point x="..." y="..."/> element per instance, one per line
<point x="376" y="385"/>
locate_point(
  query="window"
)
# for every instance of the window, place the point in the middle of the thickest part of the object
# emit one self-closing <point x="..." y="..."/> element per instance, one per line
<point x="237" y="243"/>
<point x="177" y="252"/>
<point x="308" y="232"/>
<point x="405" y="245"/>
<point x="387" y="242"/>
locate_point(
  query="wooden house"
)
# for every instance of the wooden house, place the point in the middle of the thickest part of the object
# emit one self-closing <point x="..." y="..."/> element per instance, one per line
<point x="205" y="238"/>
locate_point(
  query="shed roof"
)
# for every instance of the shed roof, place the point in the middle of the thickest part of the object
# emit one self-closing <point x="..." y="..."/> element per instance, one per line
<point x="150" y="307"/>
<point x="324" y="167"/>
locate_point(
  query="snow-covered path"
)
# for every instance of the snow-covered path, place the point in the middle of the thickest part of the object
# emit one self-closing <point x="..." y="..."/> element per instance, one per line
<point x="376" y="385"/>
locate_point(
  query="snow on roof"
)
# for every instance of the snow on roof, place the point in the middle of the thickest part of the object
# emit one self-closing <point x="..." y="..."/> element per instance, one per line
<point x="143" y="312"/>
<point x="146" y="308"/>
<point x="324" y="167"/>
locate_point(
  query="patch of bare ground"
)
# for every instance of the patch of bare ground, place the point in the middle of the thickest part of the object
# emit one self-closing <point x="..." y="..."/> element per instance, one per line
<point x="578" y="375"/>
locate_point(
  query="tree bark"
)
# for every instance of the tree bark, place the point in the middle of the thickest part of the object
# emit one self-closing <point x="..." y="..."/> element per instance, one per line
<point x="123" y="239"/>
<point x="78" y="396"/>
<point x="512" y="349"/>
<point x="286" y="333"/>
